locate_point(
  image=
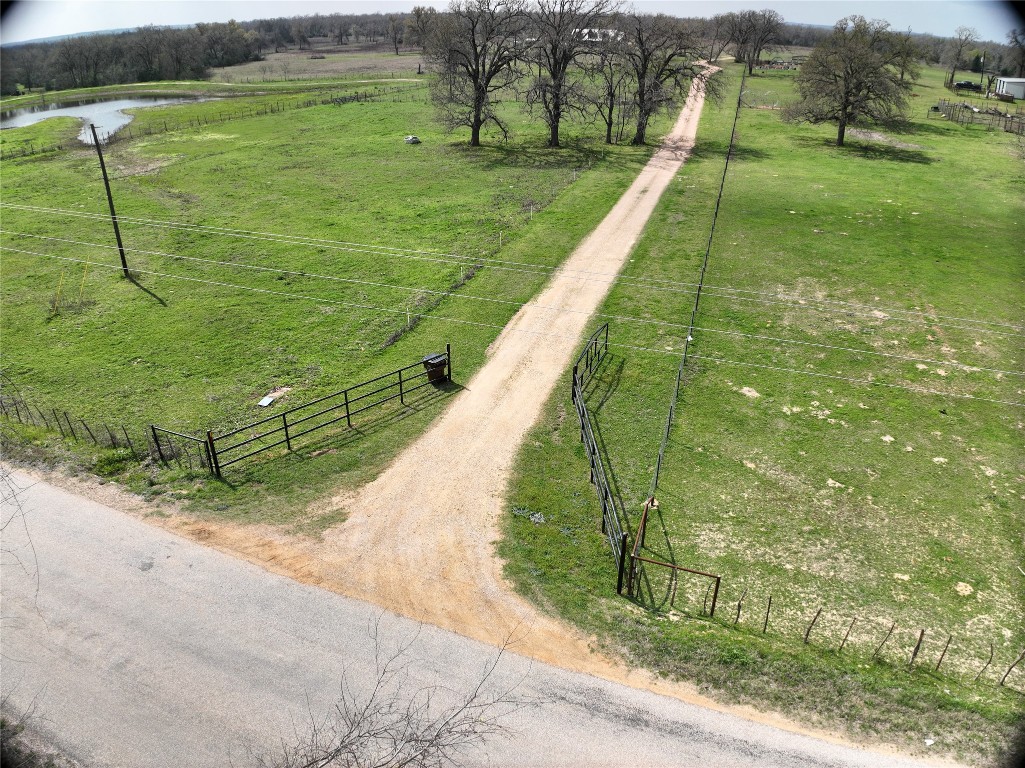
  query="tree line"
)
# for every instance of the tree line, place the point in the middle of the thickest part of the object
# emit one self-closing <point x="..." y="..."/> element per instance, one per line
<point x="561" y="58"/>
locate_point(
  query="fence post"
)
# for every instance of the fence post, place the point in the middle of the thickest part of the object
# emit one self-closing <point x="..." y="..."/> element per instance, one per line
<point x="401" y="395"/>
<point x="212" y="448"/>
<point x="58" y="421"/>
<point x="127" y="438"/>
<point x="156" y="441"/>
<point x="284" y="421"/>
<point x="573" y="397"/>
<point x="68" y="420"/>
<point x="95" y="441"/>
<point x="918" y="647"/>
<point x="448" y="356"/>
<point x="715" y="596"/>
<point x="622" y="564"/>
<point x="348" y="419"/>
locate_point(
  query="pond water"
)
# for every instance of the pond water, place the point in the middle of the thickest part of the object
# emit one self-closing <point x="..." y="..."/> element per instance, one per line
<point x="105" y="114"/>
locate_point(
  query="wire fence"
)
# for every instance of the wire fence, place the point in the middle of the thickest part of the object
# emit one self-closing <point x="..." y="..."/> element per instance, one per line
<point x="663" y="586"/>
<point x="130" y="132"/>
<point x="964" y="113"/>
<point x="155" y="444"/>
<point x="671" y="416"/>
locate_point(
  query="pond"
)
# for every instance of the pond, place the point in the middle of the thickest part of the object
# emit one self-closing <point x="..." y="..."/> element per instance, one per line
<point x="105" y="114"/>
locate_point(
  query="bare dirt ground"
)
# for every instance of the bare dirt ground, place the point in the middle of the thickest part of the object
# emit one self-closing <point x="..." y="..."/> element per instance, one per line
<point x="419" y="540"/>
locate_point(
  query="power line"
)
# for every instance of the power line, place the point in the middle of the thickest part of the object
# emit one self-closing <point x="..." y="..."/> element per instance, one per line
<point x="519" y="305"/>
<point x="543" y="334"/>
<point x="869" y="382"/>
<point x="791" y="300"/>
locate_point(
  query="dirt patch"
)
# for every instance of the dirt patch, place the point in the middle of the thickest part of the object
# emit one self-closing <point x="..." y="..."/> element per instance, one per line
<point x="882" y="138"/>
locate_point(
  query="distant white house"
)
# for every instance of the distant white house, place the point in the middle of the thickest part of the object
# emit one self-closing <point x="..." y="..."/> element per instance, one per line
<point x="1011" y="86"/>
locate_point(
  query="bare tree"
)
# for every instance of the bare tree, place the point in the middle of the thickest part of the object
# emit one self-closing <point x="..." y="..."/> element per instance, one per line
<point x="1016" y="42"/>
<point x="964" y="38"/>
<point x="418" y="25"/>
<point x="754" y="32"/>
<point x="565" y="30"/>
<point x="608" y="75"/>
<point x="396" y="26"/>
<point x="661" y="53"/>
<point x="851" y="76"/>
<point x="908" y="55"/>
<point x="717" y="35"/>
<point x="473" y="48"/>
<point x="394" y="724"/>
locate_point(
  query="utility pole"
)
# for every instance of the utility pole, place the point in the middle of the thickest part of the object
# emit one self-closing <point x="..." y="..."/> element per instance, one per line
<point x="110" y="201"/>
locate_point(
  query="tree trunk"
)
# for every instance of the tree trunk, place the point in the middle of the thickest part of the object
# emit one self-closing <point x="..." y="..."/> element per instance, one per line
<point x="641" y="135"/>
<point x="841" y="130"/>
<point x="475" y="133"/>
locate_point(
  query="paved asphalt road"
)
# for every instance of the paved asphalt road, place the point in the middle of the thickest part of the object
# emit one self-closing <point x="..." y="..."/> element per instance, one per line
<point x="139" y="648"/>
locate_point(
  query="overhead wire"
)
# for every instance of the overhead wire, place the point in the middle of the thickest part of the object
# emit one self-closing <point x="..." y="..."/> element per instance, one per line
<point x="495" y="326"/>
<point x="540" y="269"/>
<point x="520" y="305"/>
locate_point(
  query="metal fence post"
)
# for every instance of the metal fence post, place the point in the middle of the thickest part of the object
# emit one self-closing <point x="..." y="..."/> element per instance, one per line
<point x="156" y="441"/>
<point x="288" y="440"/>
<point x="401" y="395"/>
<point x="212" y="448"/>
<point x="715" y="596"/>
<point x="348" y="419"/>
<point x="622" y="564"/>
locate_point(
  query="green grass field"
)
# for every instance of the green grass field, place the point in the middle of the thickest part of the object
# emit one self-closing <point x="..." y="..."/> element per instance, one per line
<point x="781" y="474"/>
<point x="895" y="260"/>
<point x="198" y="353"/>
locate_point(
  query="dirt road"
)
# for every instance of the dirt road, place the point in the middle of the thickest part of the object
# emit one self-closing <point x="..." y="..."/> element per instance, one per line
<point x="419" y="540"/>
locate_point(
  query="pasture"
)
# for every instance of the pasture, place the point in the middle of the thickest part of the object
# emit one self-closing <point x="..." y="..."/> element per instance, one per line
<point x="309" y="248"/>
<point x="847" y="437"/>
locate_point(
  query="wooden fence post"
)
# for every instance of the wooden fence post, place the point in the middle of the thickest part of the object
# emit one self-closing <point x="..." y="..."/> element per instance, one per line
<point x="986" y="666"/>
<point x="815" y="618"/>
<point x="740" y="602"/>
<point x="1016" y="663"/>
<point x="846" y="635"/>
<point x="949" y="638"/>
<point x="877" y="650"/>
<point x="715" y="596"/>
<point x="918" y="647"/>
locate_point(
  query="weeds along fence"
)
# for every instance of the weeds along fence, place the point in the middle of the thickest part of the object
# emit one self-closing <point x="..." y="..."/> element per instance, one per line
<point x="130" y="132"/>
<point x="637" y="578"/>
<point x="992" y="118"/>
<point x="661" y="586"/>
<point x="287" y="427"/>
<point x="586" y="364"/>
<point x="212" y="452"/>
<point x="157" y="444"/>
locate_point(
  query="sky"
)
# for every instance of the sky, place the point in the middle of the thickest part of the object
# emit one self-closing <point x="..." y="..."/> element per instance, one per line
<point x="33" y="19"/>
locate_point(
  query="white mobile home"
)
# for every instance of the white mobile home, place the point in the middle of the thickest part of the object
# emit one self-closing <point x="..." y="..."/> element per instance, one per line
<point x="1011" y="86"/>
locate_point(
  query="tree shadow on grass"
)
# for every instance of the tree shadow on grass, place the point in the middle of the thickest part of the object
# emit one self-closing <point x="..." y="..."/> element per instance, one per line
<point x="868" y="150"/>
<point x="874" y="151"/>
<point x="713" y="149"/>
